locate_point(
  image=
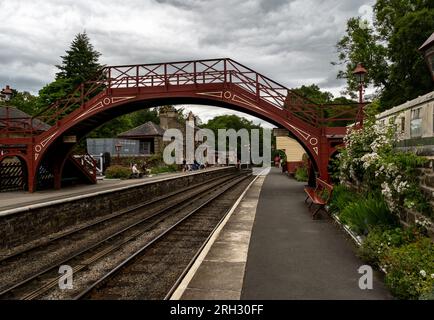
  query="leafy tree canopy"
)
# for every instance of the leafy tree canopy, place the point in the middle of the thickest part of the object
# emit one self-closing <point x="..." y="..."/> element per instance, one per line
<point x="80" y="62"/>
<point x="389" y="50"/>
<point x="230" y="121"/>
<point x="24" y="101"/>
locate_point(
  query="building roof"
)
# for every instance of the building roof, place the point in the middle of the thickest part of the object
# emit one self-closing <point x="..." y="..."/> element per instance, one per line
<point x="11" y="113"/>
<point x="147" y="129"/>
<point x="407" y="105"/>
<point x="427" y="42"/>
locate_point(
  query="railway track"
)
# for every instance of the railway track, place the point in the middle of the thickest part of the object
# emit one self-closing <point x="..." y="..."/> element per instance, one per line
<point x="148" y="227"/>
<point x="154" y="271"/>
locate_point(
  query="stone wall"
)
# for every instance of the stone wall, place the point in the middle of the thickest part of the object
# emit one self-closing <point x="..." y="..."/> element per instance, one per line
<point x="407" y="216"/>
<point x="427" y="185"/>
<point x="18" y="228"/>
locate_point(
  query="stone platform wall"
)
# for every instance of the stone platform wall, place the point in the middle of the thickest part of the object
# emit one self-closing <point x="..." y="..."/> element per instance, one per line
<point x="29" y="224"/>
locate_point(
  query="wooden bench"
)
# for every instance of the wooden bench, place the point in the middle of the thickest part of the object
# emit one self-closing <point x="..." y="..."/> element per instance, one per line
<point x="320" y="195"/>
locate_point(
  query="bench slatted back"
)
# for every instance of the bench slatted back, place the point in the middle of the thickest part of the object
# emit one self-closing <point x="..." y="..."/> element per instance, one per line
<point x="323" y="189"/>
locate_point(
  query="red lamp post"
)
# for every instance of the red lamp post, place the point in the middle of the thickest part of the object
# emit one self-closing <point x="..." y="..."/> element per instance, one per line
<point x="360" y="73"/>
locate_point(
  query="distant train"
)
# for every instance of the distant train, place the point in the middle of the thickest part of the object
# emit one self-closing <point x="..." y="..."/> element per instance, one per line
<point x="414" y="122"/>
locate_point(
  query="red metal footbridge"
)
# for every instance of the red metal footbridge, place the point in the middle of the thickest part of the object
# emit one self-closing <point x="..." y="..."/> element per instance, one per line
<point x="45" y="152"/>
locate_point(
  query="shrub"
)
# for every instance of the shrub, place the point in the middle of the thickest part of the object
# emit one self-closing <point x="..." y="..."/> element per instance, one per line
<point x="410" y="269"/>
<point x="341" y="197"/>
<point x="301" y="174"/>
<point x="378" y="242"/>
<point x="117" y="172"/>
<point x="163" y="169"/>
<point x="365" y="213"/>
<point x="155" y="160"/>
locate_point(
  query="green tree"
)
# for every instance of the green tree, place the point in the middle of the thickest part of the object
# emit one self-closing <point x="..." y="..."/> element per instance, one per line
<point x="361" y="44"/>
<point x="24" y="101"/>
<point x="140" y="117"/>
<point x="314" y="93"/>
<point x="233" y="122"/>
<point x="80" y="62"/>
<point x="112" y="128"/>
<point x="389" y="50"/>
<point x="78" y="65"/>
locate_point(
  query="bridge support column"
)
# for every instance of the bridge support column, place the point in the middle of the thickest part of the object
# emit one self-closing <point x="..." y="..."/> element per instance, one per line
<point x="323" y="159"/>
<point x="31" y="170"/>
<point x="57" y="173"/>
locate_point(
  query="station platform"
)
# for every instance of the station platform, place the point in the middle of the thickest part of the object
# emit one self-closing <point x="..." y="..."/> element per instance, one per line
<point x="18" y="199"/>
<point x="271" y="248"/>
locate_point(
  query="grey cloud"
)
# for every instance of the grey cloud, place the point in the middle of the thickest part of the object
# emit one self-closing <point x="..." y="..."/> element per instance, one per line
<point x="289" y="41"/>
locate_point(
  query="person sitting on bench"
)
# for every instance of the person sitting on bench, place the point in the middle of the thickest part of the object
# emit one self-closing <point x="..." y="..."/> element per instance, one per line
<point x="135" y="171"/>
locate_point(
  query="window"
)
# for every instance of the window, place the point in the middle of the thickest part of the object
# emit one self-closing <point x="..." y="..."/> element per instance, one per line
<point x="145" y="147"/>
<point x="432" y="63"/>
<point x="416" y="123"/>
<point x="402" y="124"/>
<point x="433" y="119"/>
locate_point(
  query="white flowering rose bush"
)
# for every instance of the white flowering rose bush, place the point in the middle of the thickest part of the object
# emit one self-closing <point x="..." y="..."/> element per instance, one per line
<point x="369" y="167"/>
<point x="369" y="160"/>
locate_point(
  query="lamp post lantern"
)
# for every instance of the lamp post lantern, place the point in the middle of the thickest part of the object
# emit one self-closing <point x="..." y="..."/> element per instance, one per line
<point x="427" y="50"/>
<point x="360" y="73"/>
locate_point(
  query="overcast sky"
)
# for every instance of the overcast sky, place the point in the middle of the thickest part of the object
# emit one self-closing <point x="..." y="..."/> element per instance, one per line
<point x="290" y="41"/>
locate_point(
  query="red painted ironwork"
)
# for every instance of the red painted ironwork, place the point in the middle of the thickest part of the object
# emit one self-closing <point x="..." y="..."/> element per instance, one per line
<point x="222" y="82"/>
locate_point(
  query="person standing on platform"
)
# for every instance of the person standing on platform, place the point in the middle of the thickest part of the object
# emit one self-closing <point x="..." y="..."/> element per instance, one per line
<point x="277" y="161"/>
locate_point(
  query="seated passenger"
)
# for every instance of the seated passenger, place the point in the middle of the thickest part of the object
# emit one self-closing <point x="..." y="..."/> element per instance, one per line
<point x="135" y="171"/>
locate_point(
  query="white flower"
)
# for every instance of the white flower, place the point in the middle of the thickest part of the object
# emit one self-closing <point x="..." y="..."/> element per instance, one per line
<point x="423" y="273"/>
<point x="432" y="275"/>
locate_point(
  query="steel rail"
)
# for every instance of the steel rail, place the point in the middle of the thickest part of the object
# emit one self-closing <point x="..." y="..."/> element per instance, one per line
<point x="102" y="220"/>
<point x="6" y="290"/>
<point x="161" y="211"/>
<point x="131" y="258"/>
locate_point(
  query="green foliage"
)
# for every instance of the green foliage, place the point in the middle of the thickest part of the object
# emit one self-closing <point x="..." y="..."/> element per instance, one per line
<point x="342" y="196"/>
<point x="80" y="62"/>
<point x="112" y="128"/>
<point x="314" y="93"/>
<point x="164" y="169"/>
<point x="410" y="269"/>
<point x="23" y="101"/>
<point x="54" y="91"/>
<point x="78" y="65"/>
<point x="230" y="121"/>
<point x="367" y="212"/>
<point x="361" y="44"/>
<point x="281" y="154"/>
<point x="156" y="160"/>
<point x="235" y="122"/>
<point x="388" y="50"/>
<point x="370" y="161"/>
<point x="301" y="174"/>
<point x="379" y="240"/>
<point x="117" y="172"/>
<point x="142" y="116"/>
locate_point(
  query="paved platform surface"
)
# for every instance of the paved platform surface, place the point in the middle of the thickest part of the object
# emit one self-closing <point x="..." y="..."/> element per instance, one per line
<point x="270" y="248"/>
<point x="220" y="273"/>
<point x="17" y="199"/>
<point x="292" y="256"/>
